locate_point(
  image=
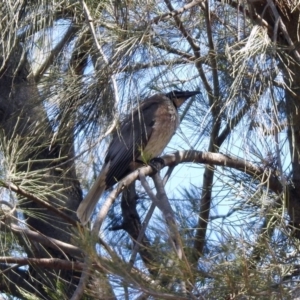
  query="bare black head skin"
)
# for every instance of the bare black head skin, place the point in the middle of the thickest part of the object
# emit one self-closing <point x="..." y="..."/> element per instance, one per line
<point x="178" y="97"/>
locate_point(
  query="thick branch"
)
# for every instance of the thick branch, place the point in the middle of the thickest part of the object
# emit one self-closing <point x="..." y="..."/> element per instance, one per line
<point x="192" y="156"/>
<point x="212" y="54"/>
<point x="214" y="102"/>
<point x="53" y="263"/>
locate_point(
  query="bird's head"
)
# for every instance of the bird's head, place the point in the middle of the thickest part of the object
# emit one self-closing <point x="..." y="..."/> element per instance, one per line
<point x="178" y="97"/>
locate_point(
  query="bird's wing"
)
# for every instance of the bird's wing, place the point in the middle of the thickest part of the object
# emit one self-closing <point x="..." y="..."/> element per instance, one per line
<point x="129" y="139"/>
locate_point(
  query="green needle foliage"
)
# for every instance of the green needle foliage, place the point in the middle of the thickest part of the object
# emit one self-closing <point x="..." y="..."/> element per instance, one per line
<point x="227" y="220"/>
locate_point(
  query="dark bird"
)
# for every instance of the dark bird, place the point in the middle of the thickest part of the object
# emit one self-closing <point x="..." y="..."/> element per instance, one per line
<point x="142" y="135"/>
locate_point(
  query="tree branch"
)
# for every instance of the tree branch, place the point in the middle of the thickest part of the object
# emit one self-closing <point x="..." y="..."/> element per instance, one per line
<point x="132" y="225"/>
<point x="53" y="263"/>
<point x="176" y="12"/>
<point x="257" y="18"/>
<point x="215" y="107"/>
<point x="18" y="190"/>
<point x="164" y="205"/>
<point x="54" y="52"/>
<point x="192" y="156"/>
<point x="42" y="239"/>
<point x="283" y="29"/>
<point x="194" y="46"/>
<point x="90" y="23"/>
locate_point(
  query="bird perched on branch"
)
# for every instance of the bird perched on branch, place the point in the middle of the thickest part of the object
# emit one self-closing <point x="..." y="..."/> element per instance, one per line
<point x="142" y="135"/>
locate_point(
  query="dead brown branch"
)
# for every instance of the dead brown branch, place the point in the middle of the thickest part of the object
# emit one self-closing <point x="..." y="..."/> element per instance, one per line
<point x="53" y="263"/>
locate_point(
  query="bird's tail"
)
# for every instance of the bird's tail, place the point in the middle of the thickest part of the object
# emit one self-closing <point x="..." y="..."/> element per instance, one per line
<point x="90" y="201"/>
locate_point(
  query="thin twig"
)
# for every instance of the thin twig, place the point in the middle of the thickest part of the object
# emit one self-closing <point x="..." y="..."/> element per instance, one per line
<point x="194" y="46"/>
<point x="168" y="174"/>
<point x="77" y="295"/>
<point x="18" y="190"/>
<point x="164" y="205"/>
<point x="90" y="22"/>
<point x="10" y="205"/>
<point x="43" y="239"/>
<point x="283" y="29"/>
<point x="137" y="243"/>
<point x="174" y="12"/>
<point x="172" y="224"/>
<point x="54" y="52"/>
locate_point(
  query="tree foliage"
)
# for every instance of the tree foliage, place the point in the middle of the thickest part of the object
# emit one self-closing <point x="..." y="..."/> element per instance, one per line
<point x="221" y="220"/>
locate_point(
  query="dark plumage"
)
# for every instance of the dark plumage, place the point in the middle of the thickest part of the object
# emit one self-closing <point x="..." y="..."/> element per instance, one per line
<point x="143" y="134"/>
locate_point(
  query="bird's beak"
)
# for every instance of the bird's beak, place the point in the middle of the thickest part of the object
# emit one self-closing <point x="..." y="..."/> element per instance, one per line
<point x="188" y="94"/>
<point x="178" y="101"/>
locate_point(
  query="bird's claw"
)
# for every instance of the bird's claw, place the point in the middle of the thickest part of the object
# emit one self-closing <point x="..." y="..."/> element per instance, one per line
<point x="157" y="163"/>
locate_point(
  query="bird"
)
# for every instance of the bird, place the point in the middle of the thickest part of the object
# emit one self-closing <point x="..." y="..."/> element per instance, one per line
<point x="141" y="136"/>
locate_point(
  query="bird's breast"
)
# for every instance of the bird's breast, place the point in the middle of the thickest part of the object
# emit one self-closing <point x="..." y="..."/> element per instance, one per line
<point x="165" y="124"/>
